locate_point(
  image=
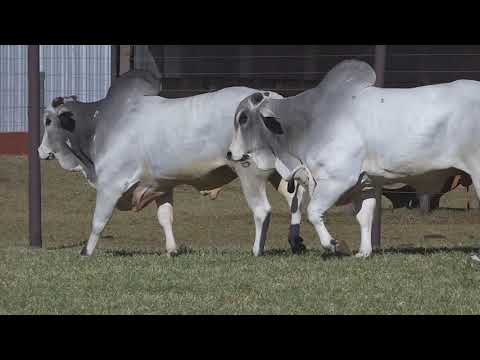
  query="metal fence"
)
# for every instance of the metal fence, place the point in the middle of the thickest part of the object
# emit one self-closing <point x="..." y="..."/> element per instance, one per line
<point x="82" y="70"/>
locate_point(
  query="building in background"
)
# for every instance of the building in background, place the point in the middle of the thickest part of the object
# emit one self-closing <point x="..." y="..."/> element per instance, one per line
<point x="290" y="69"/>
<point x="185" y="70"/>
<point x="82" y="70"/>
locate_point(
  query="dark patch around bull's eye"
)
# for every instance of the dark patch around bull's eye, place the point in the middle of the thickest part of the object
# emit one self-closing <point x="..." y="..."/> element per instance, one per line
<point x="242" y="119"/>
<point x="48" y="121"/>
<point x="67" y="121"/>
<point x="273" y="125"/>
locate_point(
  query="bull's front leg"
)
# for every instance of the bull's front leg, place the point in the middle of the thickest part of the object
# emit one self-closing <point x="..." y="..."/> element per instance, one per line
<point x="165" y="218"/>
<point x="104" y="205"/>
<point x="254" y="188"/>
<point x="294" y="202"/>
<point x="323" y="197"/>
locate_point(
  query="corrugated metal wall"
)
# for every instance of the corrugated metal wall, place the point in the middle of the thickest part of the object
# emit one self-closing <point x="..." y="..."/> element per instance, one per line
<point x="13" y="88"/>
<point x="82" y="70"/>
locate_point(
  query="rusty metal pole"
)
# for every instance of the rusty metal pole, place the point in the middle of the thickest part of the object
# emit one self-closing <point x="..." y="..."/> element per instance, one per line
<point x="34" y="178"/>
<point x="380" y="60"/>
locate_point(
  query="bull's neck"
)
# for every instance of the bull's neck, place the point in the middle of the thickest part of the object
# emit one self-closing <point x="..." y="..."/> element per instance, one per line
<point x="83" y="145"/>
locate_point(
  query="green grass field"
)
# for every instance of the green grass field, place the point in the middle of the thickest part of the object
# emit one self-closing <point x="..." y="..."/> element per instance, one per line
<point x="424" y="268"/>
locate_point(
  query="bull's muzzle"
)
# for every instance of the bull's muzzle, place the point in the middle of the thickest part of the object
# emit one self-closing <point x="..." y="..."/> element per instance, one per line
<point x="49" y="156"/>
<point x="244" y="157"/>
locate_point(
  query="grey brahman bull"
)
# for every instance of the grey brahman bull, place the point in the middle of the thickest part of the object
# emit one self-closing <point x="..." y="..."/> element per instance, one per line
<point x="134" y="147"/>
<point x="346" y="137"/>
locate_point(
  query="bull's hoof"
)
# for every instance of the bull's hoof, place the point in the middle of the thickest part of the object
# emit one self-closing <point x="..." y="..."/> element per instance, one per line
<point x="297" y="246"/>
<point x="363" y="255"/>
<point x="84" y="252"/>
<point x="476" y="257"/>
<point x="257" y="252"/>
<point x="172" y="253"/>
<point x="340" y="248"/>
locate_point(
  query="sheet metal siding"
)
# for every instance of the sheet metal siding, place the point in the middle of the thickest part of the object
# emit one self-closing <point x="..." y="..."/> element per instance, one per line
<point x="82" y="70"/>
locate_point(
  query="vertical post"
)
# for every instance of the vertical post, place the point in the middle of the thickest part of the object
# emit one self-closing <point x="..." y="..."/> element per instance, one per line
<point x="115" y="62"/>
<point x="380" y="59"/>
<point x="425" y="201"/>
<point x="132" y="57"/>
<point x="34" y="179"/>
<point x="42" y="101"/>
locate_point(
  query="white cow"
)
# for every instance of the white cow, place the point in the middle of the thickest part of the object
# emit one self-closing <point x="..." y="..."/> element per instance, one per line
<point x="135" y="149"/>
<point x="347" y="135"/>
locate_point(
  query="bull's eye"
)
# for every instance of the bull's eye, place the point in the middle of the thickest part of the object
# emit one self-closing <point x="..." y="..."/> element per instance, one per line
<point x="48" y="121"/>
<point x="242" y="119"/>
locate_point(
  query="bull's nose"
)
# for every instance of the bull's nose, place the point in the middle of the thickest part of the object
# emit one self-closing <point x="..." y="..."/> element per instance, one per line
<point x="51" y="156"/>
<point x="229" y="155"/>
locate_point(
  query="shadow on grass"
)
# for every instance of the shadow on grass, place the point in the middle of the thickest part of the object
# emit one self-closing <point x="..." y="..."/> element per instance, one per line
<point x="427" y="251"/>
<point x="183" y="250"/>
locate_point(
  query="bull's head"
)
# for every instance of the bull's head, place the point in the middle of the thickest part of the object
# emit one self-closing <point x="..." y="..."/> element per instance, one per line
<point x="254" y="124"/>
<point x="59" y="125"/>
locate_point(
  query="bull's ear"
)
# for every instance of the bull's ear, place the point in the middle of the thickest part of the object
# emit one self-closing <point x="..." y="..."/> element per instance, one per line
<point x="67" y="121"/>
<point x="57" y="102"/>
<point x="272" y="124"/>
<point x="257" y="98"/>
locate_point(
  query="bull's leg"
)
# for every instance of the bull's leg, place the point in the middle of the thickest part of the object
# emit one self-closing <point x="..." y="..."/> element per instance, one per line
<point x="473" y="169"/>
<point x="254" y="189"/>
<point x="104" y="205"/>
<point x="323" y="197"/>
<point x="365" y="209"/>
<point x="165" y="218"/>
<point x="294" y="201"/>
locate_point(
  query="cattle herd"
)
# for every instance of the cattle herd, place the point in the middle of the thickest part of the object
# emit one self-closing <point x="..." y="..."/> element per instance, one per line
<point x="338" y="141"/>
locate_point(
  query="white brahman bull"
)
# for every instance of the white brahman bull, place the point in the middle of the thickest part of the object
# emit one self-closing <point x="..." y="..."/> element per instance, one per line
<point x="135" y="149"/>
<point x="345" y="137"/>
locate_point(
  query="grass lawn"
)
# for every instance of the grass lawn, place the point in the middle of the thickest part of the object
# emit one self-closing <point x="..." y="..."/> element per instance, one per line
<point x="424" y="269"/>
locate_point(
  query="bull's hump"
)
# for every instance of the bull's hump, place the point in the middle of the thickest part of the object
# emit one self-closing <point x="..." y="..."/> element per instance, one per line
<point x="352" y="73"/>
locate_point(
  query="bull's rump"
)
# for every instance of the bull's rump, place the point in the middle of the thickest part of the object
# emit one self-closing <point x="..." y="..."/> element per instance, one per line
<point x="411" y="131"/>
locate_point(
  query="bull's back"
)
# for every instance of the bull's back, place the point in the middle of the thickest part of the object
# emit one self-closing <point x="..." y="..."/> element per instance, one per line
<point x="182" y="138"/>
<point x="407" y="130"/>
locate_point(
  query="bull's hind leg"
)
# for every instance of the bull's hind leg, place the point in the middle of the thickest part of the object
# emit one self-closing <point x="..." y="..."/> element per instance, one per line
<point x="474" y="171"/>
<point x="165" y="218"/>
<point x="294" y="201"/>
<point x="364" y="207"/>
<point x="104" y="205"/>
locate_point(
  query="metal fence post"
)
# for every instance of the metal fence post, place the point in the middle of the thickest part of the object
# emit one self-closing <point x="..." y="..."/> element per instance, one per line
<point x="34" y="179"/>
<point x="380" y="59"/>
<point x="115" y="62"/>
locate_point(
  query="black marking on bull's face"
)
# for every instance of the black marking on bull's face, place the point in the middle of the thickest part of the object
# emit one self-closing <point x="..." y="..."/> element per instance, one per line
<point x="48" y="121"/>
<point x="257" y="98"/>
<point x="291" y="186"/>
<point x="242" y="118"/>
<point x="67" y="122"/>
<point x="57" y="102"/>
<point x="273" y="125"/>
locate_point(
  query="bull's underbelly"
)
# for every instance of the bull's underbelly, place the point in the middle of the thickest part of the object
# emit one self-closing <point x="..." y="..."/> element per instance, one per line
<point x="143" y="193"/>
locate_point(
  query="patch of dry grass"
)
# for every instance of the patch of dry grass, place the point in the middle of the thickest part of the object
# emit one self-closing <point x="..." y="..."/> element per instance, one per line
<point x="218" y="274"/>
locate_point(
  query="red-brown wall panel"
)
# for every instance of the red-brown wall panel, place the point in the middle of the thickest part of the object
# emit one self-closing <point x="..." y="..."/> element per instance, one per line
<point x="13" y="143"/>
